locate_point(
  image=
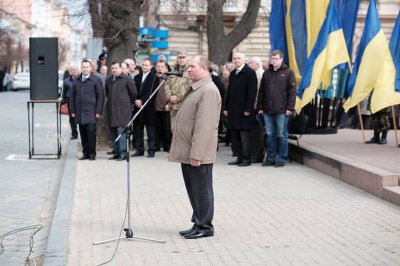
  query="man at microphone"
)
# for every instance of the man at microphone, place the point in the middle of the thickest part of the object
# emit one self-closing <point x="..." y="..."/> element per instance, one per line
<point x="194" y="145"/>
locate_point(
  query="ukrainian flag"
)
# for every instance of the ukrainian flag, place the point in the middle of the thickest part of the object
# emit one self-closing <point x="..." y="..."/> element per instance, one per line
<point x="303" y="22"/>
<point x="296" y="35"/>
<point x="373" y="67"/>
<point x="277" y="28"/>
<point x="329" y="51"/>
<point x="390" y="95"/>
<point x="348" y="10"/>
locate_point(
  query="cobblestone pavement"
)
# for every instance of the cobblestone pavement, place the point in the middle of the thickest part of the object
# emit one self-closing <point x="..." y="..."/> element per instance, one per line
<point x="263" y="216"/>
<point x="28" y="188"/>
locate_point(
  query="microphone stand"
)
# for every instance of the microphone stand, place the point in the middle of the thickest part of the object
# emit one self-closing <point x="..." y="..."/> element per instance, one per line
<point x="127" y="130"/>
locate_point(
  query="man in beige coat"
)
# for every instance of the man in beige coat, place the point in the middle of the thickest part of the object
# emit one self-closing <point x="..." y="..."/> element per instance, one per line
<point x="194" y="145"/>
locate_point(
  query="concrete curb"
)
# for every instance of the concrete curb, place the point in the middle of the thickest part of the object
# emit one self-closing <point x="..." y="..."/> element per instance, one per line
<point x="57" y="246"/>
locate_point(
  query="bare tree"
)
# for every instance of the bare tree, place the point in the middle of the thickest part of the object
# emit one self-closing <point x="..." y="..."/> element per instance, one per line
<point x="117" y="22"/>
<point x="219" y="53"/>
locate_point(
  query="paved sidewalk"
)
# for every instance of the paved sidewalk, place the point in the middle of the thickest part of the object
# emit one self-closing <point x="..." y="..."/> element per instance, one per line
<point x="263" y="216"/>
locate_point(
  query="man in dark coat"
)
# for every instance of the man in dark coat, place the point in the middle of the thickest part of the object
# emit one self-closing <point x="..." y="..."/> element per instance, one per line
<point x="87" y="97"/>
<point x="276" y="100"/>
<point x="147" y="82"/>
<point x="121" y="93"/>
<point x="66" y="95"/>
<point x="239" y="108"/>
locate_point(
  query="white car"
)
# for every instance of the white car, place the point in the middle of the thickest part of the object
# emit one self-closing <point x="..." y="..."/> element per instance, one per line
<point x="20" y="81"/>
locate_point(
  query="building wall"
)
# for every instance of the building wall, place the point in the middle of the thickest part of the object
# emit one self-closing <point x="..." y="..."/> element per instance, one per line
<point x="257" y="43"/>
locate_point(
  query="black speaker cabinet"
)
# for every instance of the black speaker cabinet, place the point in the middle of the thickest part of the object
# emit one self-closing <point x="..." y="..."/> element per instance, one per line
<point x="43" y="65"/>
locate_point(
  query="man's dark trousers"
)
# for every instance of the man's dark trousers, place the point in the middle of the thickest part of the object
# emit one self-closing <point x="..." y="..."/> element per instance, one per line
<point x="163" y="130"/>
<point x="88" y="139"/>
<point x="198" y="182"/>
<point x="241" y="140"/>
<point x="139" y="136"/>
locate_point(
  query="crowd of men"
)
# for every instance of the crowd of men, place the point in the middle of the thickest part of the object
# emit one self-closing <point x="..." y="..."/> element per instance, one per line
<point x="253" y="95"/>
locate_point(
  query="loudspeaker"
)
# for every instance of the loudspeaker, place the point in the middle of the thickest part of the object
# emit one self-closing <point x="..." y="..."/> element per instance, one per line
<point x="43" y="65"/>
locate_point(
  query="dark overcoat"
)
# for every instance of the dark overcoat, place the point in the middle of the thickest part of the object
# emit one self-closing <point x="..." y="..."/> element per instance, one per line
<point x="240" y="98"/>
<point x="149" y="85"/>
<point x="121" y="94"/>
<point x="87" y="99"/>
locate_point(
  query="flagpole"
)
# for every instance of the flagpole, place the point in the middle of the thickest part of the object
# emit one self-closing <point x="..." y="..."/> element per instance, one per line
<point x="361" y="121"/>
<point x="358" y="108"/>
<point x="395" y="127"/>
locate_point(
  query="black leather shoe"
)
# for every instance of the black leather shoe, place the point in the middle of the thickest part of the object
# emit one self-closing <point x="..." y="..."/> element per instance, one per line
<point x="235" y="162"/>
<point x="254" y="160"/>
<point x="185" y="232"/>
<point x="196" y="234"/>
<point x="268" y="163"/>
<point x="121" y="158"/>
<point x="244" y="163"/>
<point x="110" y="152"/>
<point x="137" y="153"/>
<point x="114" y="157"/>
<point x="73" y="137"/>
<point x="92" y="158"/>
<point x="150" y="155"/>
<point x="84" y="157"/>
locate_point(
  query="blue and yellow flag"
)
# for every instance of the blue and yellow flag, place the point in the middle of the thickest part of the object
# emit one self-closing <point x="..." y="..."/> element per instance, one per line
<point x="373" y="67"/>
<point x="329" y="51"/>
<point x="277" y="30"/>
<point x="348" y="10"/>
<point x="296" y="35"/>
<point x="385" y="96"/>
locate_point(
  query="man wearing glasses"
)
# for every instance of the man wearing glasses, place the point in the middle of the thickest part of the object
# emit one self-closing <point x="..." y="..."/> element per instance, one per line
<point x="276" y="100"/>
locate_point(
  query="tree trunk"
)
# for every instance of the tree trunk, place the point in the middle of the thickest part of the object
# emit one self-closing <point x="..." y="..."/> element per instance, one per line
<point x="119" y="25"/>
<point x="219" y="53"/>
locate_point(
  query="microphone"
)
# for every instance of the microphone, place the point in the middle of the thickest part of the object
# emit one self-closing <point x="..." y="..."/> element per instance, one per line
<point x="174" y="73"/>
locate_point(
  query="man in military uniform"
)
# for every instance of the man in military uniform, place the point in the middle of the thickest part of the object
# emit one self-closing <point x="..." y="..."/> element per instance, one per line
<point x="175" y="87"/>
<point x="380" y="123"/>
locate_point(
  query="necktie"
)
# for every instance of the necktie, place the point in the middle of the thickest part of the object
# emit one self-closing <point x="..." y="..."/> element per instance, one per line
<point x="237" y="71"/>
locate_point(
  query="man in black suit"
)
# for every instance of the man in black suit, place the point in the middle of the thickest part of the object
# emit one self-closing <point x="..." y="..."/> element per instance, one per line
<point x="239" y="108"/>
<point x="146" y="84"/>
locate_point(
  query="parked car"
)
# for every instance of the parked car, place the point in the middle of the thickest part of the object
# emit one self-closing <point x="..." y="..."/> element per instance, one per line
<point x="20" y="81"/>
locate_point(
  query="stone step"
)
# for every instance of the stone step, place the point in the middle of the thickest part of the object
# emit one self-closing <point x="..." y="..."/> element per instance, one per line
<point x="379" y="182"/>
<point x="392" y="194"/>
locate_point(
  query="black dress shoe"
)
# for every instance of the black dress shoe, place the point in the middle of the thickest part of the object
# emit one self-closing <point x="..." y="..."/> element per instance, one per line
<point x="196" y="234"/>
<point x="114" y="157"/>
<point x="121" y="158"/>
<point x="110" y="152"/>
<point x="137" y="153"/>
<point x="150" y="155"/>
<point x="73" y="137"/>
<point x="84" y="157"/>
<point x="235" y="162"/>
<point x="268" y="163"/>
<point x="255" y="160"/>
<point x="92" y="158"/>
<point x="185" y="232"/>
<point x="244" y="163"/>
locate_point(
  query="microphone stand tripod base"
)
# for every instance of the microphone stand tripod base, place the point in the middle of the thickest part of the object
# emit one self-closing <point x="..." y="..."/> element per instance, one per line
<point x="129" y="235"/>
